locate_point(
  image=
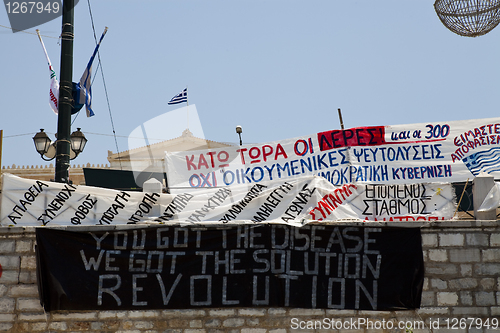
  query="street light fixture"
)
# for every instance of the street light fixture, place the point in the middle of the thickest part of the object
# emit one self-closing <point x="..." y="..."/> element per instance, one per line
<point x="239" y="130"/>
<point x="42" y="143"/>
<point x="47" y="149"/>
<point x="78" y="141"/>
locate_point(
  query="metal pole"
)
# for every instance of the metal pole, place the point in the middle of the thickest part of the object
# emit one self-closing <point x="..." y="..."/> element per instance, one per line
<point x="1" y="145"/>
<point x="341" y="121"/>
<point x="65" y="94"/>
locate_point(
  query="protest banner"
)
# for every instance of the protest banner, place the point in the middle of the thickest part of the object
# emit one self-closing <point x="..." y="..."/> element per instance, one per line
<point x="451" y="151"/>
<point x="319" y="266"/>
<point x="297" y="201"/>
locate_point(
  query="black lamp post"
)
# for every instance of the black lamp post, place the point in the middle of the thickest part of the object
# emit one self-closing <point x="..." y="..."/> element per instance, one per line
<point x="67" y="146"/>
<point x="239" y="130"/>
<point x="63" y="147"/>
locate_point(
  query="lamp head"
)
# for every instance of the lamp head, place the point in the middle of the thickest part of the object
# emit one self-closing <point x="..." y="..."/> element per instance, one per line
<point x="42" y="142"/>
<point x="78" y="142"/>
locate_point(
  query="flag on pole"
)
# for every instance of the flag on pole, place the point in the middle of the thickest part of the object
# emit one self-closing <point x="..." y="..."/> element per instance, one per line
<point x="179" y="98"/>
<point x="85" y="84"/>
<point x="54" y="84"/>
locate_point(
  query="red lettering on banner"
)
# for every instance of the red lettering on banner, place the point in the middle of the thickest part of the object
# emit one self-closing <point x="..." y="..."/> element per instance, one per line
<point x="202" y="162"/>
<point x="211" y="154"/>
<point x="190" y="163"/>
<point x="361" y="136"/>
<point x="212" y="160"/>
<point x="241" y="151"/>
<point x="280" y="151"/>
<point x="267" y="150"/>
<point x="255" y="153"/>
<point x="406" y="218"/>
<point x="331" y="201"/>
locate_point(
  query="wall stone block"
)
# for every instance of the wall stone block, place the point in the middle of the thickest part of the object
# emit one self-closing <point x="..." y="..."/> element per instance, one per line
<point x="484" y="298"/>
<point x="29" y="304"/>
<point x="429" y="240"/>
<point x="24" y="246"/>
<point x="252" y="312"/>
<point x="487" y="283"/>
<point x="438" y="255"/>
<point x="491" y="255"/>
<point x="447" y="298"/>
<point x="439" y="284"/>
<point x="443" y="269"/>
<point x="428" y="299"/>
<point x="466" y="283"/>
<point x="7" y="246"/>
<point x="466" y="298"/>
<point x="477" y="239"/>
<point x="454" y="239"/>
<point x="10" y="261"/>
<point x="495" y="311"/>
<point x="7" y="305"/>
<point x="466" y="270"/>
<point x="233" y="322"/>
<point x="476" y="311"/>
<point x="465" y="255"/>
<point x="487" y="269"/>
<point x="495" y="239"/>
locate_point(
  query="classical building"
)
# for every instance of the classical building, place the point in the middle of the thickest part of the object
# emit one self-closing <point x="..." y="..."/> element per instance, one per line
<point x="151" y="157"/>
<point x="131" y="168"/>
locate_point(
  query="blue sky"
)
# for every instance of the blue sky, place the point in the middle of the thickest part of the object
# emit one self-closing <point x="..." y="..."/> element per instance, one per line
<point x="278" y="68"/>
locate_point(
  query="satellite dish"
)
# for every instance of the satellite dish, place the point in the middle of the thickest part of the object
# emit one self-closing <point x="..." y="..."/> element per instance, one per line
<point x="470" y="18"/>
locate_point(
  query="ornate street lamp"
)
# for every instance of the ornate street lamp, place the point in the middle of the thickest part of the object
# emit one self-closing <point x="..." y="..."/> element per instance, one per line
<point x="47" y="149"/>
<point x="42" y="143"/>
<point x="78" y="141"/>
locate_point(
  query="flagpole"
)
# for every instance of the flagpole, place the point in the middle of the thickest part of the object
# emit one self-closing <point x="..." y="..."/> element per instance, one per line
<point x="44" y="50"/>
<point x="63" y="145"/>
<point x="187" y="105"/>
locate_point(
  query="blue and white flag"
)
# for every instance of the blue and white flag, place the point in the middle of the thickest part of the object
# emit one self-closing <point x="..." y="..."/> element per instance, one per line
<point x="179" y="98"/>
<point x="85" y="85"/>
<point x="483" y="161"/>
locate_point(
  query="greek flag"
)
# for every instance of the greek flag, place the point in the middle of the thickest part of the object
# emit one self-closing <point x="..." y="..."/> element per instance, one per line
<point x="179" y="98"/>
<point x="84" y="85"/>
<point x="486" y="161"/>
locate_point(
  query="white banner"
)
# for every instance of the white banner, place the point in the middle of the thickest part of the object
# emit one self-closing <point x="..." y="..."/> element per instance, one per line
<point x="429" y="152"/>
<point x="297" y="201"/>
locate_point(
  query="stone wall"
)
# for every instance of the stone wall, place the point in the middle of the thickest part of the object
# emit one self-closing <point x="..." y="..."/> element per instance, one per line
<point x="462" y="283"/>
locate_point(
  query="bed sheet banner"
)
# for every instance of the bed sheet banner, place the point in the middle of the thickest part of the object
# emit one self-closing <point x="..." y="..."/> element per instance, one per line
<point x="320" y="266"/>
<point x="451" y="151"/>
<point x="296" y="201"/>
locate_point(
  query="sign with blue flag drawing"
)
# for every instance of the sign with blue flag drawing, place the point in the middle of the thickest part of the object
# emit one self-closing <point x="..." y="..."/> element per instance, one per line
<point x="451" y="151"/>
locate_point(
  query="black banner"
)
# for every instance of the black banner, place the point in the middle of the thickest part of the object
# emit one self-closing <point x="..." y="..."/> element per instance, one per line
<point x="319" y="266"/>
